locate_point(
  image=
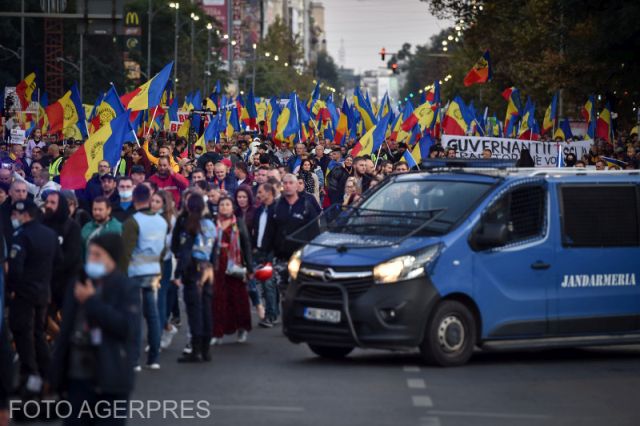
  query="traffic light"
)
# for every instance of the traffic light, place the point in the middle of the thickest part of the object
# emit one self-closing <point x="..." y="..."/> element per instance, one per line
<point x="394" y="67"/>
<point x="383" y="53"/>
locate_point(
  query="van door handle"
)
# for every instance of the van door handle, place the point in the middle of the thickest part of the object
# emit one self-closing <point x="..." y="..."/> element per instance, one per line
<point x="540" y="265"/>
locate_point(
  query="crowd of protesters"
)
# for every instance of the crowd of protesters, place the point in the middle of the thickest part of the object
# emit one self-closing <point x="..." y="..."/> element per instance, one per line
<point x="90" y="273"/>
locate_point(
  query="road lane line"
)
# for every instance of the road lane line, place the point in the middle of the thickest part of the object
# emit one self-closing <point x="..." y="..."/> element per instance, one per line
<point x="422" y="401"/>
<point x="429" y="421"/>
<point x="488" y="414"/>
<point x="258" y="408"/>
<point x="411" y="369"/>
<point x="416" y="384"/>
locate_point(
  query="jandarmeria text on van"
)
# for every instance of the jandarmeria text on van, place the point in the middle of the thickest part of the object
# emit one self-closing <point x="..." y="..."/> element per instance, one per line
<point x="599" y="280"/>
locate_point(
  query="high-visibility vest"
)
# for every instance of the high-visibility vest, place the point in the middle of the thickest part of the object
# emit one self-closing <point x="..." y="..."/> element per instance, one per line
<point x="54" y="167"/>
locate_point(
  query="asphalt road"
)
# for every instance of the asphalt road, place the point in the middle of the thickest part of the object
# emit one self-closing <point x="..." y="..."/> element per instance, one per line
<point x="269" y="381"/>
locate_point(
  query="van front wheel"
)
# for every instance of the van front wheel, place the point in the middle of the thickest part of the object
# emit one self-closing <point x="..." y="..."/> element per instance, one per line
<point x="450" y="335"/>
<point x="331" y="352"/>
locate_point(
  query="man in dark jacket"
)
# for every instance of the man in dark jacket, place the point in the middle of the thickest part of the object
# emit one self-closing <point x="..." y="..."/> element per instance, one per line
<point x="34" y="250"/>
<point x="92" y="356"/>
<point x="56" y="216"/>
<point x="337" y="180"/>
<point x="210" y="155"/>
<point x="290" y="213"/>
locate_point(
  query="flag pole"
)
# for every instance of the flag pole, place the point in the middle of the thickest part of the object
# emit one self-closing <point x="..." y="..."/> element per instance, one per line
<point x="153" y="117"/>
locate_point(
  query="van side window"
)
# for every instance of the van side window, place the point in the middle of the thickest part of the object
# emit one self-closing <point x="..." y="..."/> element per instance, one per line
<point x="600" y="216"/>
<point x="518" y="215"/>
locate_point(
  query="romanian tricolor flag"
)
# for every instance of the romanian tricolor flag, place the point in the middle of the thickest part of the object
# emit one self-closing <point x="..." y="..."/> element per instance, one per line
<point x="529" y="126"/>
<point x="422" y="116"/>
<point x="288" y="126"/>
<point x="512" y="96"/>
<point x="481" y="71"/>
<point x="454" y="122"/>
<point x="250" y="112"/>
<point x="563" y="132"/>
<point x="105" y="144"/>
<point x="589" y="114"/>
<point x="342" y="128"/>
<point x="551" y="115"/>
<point x="420" y="151"/>
<point x="604" y="129"/>
<point x="66" y="115"/>
<point x="372" y="140"/>
<point x="211" y="133"/>
<point x="109" y="108"/>
<point x="433" y="94"/>
<point x="273" y="113"/>
<point x="366" y="113"/>
<point x="25" y="90"/>
<point x="150" y="93"/>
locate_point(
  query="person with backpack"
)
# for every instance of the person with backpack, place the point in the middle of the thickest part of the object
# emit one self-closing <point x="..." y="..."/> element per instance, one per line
<point x="192" y="243"/>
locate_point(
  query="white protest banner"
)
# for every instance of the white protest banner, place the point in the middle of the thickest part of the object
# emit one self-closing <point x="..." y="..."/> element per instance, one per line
<point x="544" y="154"/>
<point x="174" y="126"/>
<point x="18" y="136"/>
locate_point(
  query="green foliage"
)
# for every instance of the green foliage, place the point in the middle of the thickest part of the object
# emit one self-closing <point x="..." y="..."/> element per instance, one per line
<point x="541" y="46"/>
<point x="273" y="77"/>
<point x="326" y="69"/>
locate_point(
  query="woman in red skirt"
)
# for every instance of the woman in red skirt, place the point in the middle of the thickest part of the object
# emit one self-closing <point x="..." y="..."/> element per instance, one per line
<point x="231" y="311"/>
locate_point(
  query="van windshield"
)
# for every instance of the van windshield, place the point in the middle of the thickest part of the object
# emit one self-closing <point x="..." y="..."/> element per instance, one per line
<point x="409" y="204"/>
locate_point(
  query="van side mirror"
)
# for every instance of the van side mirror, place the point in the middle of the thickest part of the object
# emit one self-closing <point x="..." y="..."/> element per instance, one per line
<point x="492" y="234"/>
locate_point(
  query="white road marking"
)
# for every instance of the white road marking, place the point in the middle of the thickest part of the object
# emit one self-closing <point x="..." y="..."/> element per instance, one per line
<point x="411" y="369"/>
<point x="488" y="414"/>
<point x="422" y="401"/>
<point x="416" y="384"/>
<point x="258" y="408"/>
<point x="429" y="421"/>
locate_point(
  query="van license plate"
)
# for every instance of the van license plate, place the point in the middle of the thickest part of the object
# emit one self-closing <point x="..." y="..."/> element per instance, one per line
<point x="324" y="315"/>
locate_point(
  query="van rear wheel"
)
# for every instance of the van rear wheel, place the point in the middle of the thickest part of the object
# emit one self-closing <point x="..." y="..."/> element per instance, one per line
<point x="450" y="335"/>
<point x="331" y="352"/>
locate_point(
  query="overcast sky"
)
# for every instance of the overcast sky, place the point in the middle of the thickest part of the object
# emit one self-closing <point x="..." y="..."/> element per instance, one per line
<point x="368" y="25"/>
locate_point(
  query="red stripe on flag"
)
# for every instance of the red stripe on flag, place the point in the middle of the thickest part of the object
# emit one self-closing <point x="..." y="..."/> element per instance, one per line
<point x="74" y="170"/>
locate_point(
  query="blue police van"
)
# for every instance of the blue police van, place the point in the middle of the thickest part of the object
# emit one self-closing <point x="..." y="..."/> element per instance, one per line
<point x="452" y="260"/>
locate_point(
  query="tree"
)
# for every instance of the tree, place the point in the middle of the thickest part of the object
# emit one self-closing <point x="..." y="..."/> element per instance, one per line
<point x="279" y="64"/>
<point x="542" y="46"/>
<point x="326" y="69"/>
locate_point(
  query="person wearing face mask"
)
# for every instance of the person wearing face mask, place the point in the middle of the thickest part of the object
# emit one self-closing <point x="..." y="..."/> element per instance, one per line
<point x="32" y="255"/>
<point x="93" y="354"/>
<point x="123" y="210"/>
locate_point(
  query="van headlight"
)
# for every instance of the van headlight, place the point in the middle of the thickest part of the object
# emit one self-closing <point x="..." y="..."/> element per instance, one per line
<point x="294" y="264"/>
<point x="405" y="267"/>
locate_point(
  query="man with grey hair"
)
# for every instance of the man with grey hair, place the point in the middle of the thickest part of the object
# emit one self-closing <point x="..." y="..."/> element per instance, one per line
<point x="41" y="185"/>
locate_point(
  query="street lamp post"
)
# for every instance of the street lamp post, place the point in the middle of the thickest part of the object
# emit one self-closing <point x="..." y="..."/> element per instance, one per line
<point x="194" y="18"/>
<point x="176" y="6"/>
<point x="150" y="17"/>
<point x="253" y="73"/>
<point x="209" y="28"/>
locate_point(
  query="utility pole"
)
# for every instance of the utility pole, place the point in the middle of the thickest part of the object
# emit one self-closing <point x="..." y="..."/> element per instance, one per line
<point x="208" y="79"/>
<point x="81" y="63"/>
<point x="22" y="41"/>
<point x="230" y="33"/>
<point x="150" y="17"/>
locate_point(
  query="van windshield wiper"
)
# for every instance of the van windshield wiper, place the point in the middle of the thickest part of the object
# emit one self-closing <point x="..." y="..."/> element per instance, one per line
<point x="357" y="227"/>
